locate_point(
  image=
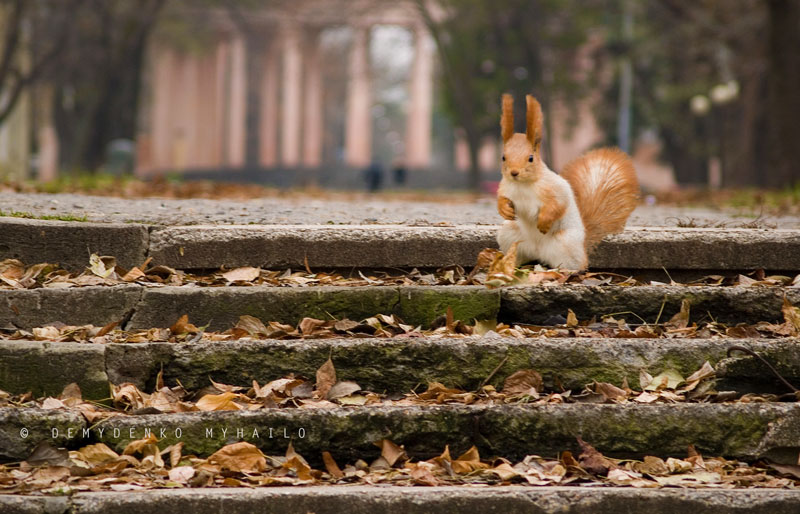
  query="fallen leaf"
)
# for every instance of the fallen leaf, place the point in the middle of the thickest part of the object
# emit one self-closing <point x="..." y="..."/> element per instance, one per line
<point x="524" y="381"/>
<point x="610" y="391"/>
<point x="181" y="474"/>
<point x="95" y="454"/>
<point x="791" y="315"/>
<point x="182" y="326"/>
<point x="344" y="388"/>
<point x="331" y="466"/>
<point x="592" y="460"/>
<point x="681" y="319"/>
<point x="44" y="454"/>
<point x="326" y="378"/>
<point x="392" y="453"/>
<point x="103" y="267"/>
<point x="246" y="274"/>
<point x="242" y="457"/>
<point x="668" y="379"/>
<point x="215" y="402"/>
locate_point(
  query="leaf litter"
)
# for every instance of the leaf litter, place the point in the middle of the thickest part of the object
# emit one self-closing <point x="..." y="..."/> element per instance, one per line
<point x="145" y="464"/>
<point x="392" y="326"/>
<point x="493" y="269"/>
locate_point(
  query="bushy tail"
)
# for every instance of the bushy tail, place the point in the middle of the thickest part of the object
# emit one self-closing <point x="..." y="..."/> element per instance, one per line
<point x="606" y="190"/>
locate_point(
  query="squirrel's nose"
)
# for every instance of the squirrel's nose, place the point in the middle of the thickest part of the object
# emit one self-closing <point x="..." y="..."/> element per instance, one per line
<point x="514" y="173"/>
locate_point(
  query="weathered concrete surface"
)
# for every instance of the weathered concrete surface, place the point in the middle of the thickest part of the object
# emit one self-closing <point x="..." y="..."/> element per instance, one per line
<point x="346" y="246"/>
<point x="398" y="365"/>
<point x="97" y="305"/>
<point x="44" y="368"/>
<point x="21" y="429"/>
<point x="277" y="246"/>
<point x="699" y="248"/>
<point x="389" y="365"/>
<point x="35" y="504"/>
<point x="148" y="307"/>
<point x="416" y="500"/>
<point x="70" y="243"/>
<point x="378" y="246"/>
<point x="744" y="430"/>
<point x="222" y="307"/>
<point x="535" y="304"/>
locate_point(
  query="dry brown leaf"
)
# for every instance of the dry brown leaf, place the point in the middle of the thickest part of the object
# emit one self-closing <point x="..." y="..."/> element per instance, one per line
<point x="572" y="319"/>
<point x="133" y="275"/>
<point x="308" y="326"/>
<point x="182" y="326"/>
<point x="592" y="460"/>
<point x="681" y="319"/>
<point x="326" y="378"/>
<point x="791" y="315"/>
<point x="331" y="466"/>
<point x="246" y="274"/>
<point x="341" y="389"/>
<point x="242" y="457"/>
<point x="610" y="391"/>
<point x="295" y="462"/>
<point x="95" y="454"/>
<point x="250" y="326"/>
<point x="215" y="402"/>
<point x="468" y="462"/>
<point x="181" y="474"/>
<point x="391" y="453"/>
<point x="524" y="381"/>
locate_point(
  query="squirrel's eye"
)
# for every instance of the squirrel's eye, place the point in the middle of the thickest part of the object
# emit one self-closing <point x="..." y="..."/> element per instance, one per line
<point x="530" y="158"/>
<point x="504" y="158"/>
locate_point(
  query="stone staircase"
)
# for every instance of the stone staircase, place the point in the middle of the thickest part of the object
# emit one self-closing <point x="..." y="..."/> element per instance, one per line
<point x="747" y="431"/>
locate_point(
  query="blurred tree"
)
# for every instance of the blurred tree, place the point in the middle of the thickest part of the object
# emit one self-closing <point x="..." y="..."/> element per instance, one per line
<point x="97" y="84"/>
<point x="740" y="62"/>
<point x="517" y="46"/>
<point x="23" y="59"/>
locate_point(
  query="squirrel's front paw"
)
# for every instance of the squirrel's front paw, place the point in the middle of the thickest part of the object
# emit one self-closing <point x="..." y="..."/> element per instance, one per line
<point x="506" y="208"/>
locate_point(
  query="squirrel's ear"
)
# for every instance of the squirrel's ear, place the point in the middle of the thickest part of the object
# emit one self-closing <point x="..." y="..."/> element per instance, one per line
<point x="534" y="122"/>
<point x="507" y="120"/>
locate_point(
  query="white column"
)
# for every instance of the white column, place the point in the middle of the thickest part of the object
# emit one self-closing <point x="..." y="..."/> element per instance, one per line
<point x="313" y="109"/>
<point x="292" y="98"/>
<point x="358" y="128"/>
<point x="160" y="118"/>
<point x="47" y="136"/>
<point x="419" y="120"/>
<point x="268" y="121"/>
<point x="237" y="120"/>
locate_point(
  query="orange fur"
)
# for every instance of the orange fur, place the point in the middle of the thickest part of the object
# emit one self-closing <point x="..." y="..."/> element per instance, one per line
<point x="606" y="190"/>
<point x="552" y="209"/>
<point x="507" y="119"/>
<point x="506" y="208"/>
<point x="533" y="127"/>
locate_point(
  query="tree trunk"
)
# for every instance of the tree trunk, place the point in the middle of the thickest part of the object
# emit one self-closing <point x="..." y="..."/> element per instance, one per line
<point x="783" y="94"/>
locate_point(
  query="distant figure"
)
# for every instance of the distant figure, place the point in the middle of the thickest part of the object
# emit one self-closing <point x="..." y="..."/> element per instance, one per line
<point x="399" y="175"/>
<point x="374" y="177"/>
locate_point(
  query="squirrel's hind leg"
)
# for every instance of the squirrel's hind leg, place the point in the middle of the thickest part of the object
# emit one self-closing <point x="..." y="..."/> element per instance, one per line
<point x="565" y="249"/>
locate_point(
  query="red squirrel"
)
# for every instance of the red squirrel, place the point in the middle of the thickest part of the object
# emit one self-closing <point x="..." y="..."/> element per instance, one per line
<point x="558" y="219"/>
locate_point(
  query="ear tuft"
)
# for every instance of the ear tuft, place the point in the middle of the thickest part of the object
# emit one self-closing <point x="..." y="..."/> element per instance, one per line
<point x="534" y="122"/>
<point x="507" y="119"/>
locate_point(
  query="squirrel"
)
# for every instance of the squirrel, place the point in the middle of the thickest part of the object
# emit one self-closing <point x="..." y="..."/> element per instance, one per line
<point x="558" y="219"/>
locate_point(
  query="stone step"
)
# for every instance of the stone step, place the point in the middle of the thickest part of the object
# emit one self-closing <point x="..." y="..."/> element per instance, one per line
<point x="377" y="246"/>
<point x="141" y="307"/>
<point x="414" y="500"/>
<point x="743" y="431"/>
<point x="395" y="365"/>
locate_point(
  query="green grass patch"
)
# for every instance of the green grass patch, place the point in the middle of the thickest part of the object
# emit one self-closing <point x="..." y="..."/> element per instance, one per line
<point x="28" y="215"/>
